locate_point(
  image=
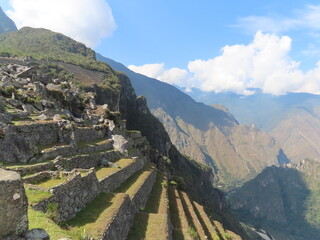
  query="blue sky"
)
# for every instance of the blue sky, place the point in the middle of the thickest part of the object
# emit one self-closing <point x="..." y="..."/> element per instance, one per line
<point x="213" y="45"/>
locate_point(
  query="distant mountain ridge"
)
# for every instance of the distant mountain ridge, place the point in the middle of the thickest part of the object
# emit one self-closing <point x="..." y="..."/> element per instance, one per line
<point x="292" y="119"/>
<point x="208" y="134"/>
<point x="6" y="24"/>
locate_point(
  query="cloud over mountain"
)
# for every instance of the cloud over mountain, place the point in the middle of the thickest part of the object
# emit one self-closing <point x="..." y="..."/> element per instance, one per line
<point x="264" y="63"/>
<point x="87" y="21"/>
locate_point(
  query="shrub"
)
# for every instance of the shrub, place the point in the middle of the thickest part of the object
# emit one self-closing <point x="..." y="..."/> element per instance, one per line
<point x="52" y="212"/>
<point x="192" y="232"/>
<point x="227" y="236"/>
<point x="8" y="90"/>
<point x="173" y="183"/>
<point x="164" y="184"/>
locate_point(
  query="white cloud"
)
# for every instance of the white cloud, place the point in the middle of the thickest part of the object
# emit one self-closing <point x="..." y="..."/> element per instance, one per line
<point x="87" y="21"/>
<point x="264" y="63"/>
<point x="306" y="18"/>
<point x="157" y="70"/>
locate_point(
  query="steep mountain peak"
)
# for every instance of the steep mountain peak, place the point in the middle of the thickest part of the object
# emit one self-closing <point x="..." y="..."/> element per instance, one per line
<point x="6" y="24"/>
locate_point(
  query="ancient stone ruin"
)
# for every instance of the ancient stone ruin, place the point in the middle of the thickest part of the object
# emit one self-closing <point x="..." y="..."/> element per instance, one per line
<point x="82" y="176"/>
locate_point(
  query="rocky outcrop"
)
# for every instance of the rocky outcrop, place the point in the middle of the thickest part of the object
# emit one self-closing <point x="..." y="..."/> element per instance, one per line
<point x="14" y="205"/>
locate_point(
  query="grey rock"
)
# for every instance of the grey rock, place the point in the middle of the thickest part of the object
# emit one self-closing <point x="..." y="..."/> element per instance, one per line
<point x="28" y="108"/>
<point x="13" y="217"/>
<point x="120" y="143"/>
<point x="37" y="234"/>
<point x="53" y="87"/>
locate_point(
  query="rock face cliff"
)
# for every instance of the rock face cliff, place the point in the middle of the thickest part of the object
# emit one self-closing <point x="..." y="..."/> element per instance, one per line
<point x="208" y="134"/>
<point x="6" y="24"/>
<point x="80" y="102"/>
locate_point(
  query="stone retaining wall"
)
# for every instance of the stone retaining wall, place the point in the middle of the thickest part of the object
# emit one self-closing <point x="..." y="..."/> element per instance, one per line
<point x="24" y="139"/>
<point x="122" y="220"/>
<point x="75" y="194"/>
<point x="36" y="178"/>
<point x="39" y="133"/>
<point x="140" y="198"/>
<point x="86" y="134"/>
<point x="86" y="161"/>
<point x="34" y="169"/>
<point x="110" y="183"/>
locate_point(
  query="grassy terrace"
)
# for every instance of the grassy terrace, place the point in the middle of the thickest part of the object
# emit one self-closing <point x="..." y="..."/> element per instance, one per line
<point x="178" y="216"/>
<point x="133" y="184"/>
<point x="205" y="221"/>
<point x="92" y="220"/>
<point x="51" y="147"/>
<point x="23" y="165"/>
<point x="96" y="142"/>
<point x="95" y="217"/>
<point x="106" y="171"/>
<point x="151" y="222"/>
<point x="35" y="196"/>
<point x="192" y="216"/>
<point x="51" y="182"/>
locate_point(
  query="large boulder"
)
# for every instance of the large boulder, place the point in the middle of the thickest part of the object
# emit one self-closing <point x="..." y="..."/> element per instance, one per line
<point x="37" y="234"/>
<point x="13" y="205"/>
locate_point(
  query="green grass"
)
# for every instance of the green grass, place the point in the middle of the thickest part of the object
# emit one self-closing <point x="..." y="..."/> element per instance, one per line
<point x="35" y="196"/>
<point x="39" y="220"/>
<point x="51" y="182"/>
<point x="24" y="165"/>
<point x="154" y="199"/>
<point x="96" y="142"/>
<point x="94" y="218"/>
<point x="134" y="182"/>
<point x="91" y="221"/>
<point x="150" y="223"/>
<point x="106" y="171"/>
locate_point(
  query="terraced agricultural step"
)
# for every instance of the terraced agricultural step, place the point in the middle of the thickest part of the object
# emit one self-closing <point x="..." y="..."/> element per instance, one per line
<point x="178" y="216"/>
<point x="115" y="218"/>
<point x="65" y="150"/>
<point x="192" y="216"/>
<point x="153" y="221"/>
<point x="91" y="160"/>
<point x="139" y="186"/>
<point x="112" y="178"/>
<point x="106" y="217"/>
<point x="31" y="168"/>
<point x="206" y="222"/>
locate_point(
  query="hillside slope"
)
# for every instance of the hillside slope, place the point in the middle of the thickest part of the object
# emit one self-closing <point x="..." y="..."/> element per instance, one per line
<point x="63" y="73"/>
<point x="209" y="134"/>
<point x="284" y="201"/>
<point x="6" y="24"/>
<point x="292" y="119"/>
